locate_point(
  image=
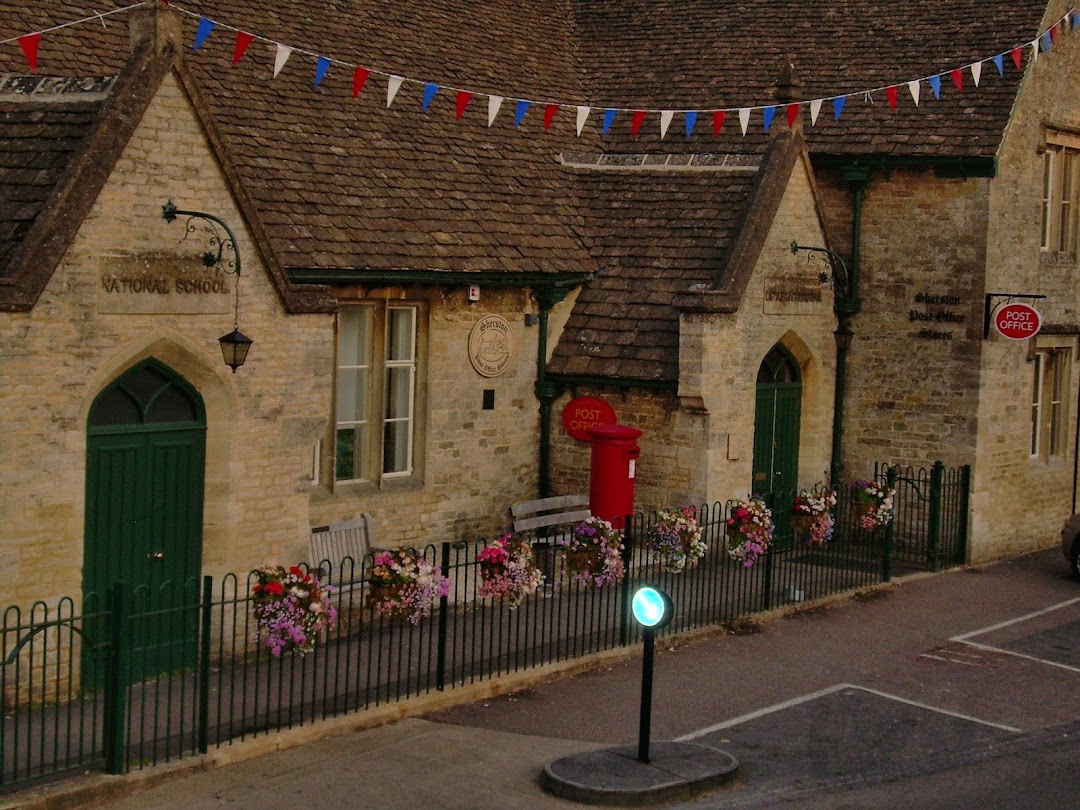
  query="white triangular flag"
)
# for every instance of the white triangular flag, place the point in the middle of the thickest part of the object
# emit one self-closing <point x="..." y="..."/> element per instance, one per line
<point x="976" y="72"/>
<point x="815" y="108"/>
<point x="665" y="121"/>
<point x="1034" y="50"/>
<point x="282" y="56"/>
<point x="582" y="115"/>
<point x="494" y="102"/>
<point x="393" y="84"/>
<point x="744" y="118"/>
<point x="915" y="88"/>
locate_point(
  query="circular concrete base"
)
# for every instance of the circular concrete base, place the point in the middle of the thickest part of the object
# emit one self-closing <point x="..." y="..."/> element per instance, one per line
<point x="615" y="776"/>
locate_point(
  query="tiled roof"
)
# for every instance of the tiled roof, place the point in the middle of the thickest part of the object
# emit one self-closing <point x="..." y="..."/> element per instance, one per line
<point x="711" y="54"/>
<point x="42" y="124"/>
<point x="344" y="183"/>
<point x="655" y="234"/>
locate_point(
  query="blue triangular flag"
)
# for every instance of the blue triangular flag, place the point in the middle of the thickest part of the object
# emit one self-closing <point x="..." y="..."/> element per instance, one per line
<point x="519" y="113"/>
<point x="768" y="114"/>
<point x="1046" y="42"/>
<point x="430" y="89"/>
<point x="321" y="66"/>
<point x="999" y="63"/>
<point x="609" y="119"/>
<point x="1076" y="20"/>
<point x="935" y="85"/>
<point x="691" y="119"/>
<point x="838" y="106"/>
<point x="205" y="27"/>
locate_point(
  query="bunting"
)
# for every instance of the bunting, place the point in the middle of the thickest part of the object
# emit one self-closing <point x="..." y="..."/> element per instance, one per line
<point x="206" y="27"/>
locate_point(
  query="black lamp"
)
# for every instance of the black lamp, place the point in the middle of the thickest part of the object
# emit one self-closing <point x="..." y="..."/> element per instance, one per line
<point x="235" y="345"/>
<point x="234" y="348"/>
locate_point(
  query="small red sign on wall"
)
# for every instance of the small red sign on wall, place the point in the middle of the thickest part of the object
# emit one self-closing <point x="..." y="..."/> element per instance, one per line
<point x="1018" y="321"/>
<point x="584" y="413"/>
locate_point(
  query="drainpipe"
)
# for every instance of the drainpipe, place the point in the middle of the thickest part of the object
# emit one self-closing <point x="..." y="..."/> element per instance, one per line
<point x="547" y="391"/>
<point x="846" y="305"/>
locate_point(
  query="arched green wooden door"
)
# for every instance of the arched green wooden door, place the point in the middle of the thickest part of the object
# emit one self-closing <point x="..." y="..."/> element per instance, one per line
<point x="778" y="413"/>
<point x="146" y="449"/>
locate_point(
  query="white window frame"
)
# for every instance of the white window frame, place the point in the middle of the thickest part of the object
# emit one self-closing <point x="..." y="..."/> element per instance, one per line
<point x="1060" y="201"/>
<point x="374" y="417"/>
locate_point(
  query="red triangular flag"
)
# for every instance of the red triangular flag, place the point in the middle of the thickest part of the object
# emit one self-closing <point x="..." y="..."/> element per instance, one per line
<point x="29" y="45"/>
<point x="636" y="121"/>
<point x="890" y="94"/>
<point x="549" y="115"/>
<point x="792" y="115"/>
<point x="718" y="117"/>
<point x="1054" y="34"/>
<point x="1017" y="56"/>
<point x="463" y="99"/>
<point x="359" y="79"/>
<point x="958" y="78"/>
<point x="243" y="39"/>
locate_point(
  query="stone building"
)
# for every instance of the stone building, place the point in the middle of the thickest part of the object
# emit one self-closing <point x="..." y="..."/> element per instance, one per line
<point x="429" y="277"/>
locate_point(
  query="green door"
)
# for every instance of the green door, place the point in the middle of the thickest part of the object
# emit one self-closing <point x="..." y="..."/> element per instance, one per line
<point x="144" y="498"/>
<point x="777" y="415"/>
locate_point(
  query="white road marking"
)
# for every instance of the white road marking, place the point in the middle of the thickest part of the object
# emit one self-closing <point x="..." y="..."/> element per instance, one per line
<point x="965" y="638"/>
<point x="787" y="704"/>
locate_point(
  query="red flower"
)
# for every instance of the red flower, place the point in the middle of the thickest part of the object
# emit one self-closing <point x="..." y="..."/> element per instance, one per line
<point x="274" y="588"/>
<point x="296" y="571"/>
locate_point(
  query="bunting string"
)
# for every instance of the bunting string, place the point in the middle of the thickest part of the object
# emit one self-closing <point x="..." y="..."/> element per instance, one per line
<point x="1041" y="44"/>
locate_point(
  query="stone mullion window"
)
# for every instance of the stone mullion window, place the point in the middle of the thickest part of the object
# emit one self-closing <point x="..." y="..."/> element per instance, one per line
<point x="1060" y="192"/>
<point x="1051" y="383"/>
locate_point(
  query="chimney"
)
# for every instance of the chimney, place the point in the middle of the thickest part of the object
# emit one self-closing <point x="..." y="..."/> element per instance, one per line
<point x="158" y="26"/>
<point x="788" y="91"/>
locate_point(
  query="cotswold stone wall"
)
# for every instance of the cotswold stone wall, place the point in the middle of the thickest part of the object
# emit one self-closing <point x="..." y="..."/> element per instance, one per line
<point x="913" y="370"/>
<point x="472" y="463"/>
<point x="84" y="333"/>
<point x="1020" y="501"/>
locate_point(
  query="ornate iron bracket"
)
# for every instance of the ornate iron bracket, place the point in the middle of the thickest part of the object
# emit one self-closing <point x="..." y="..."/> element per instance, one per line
<point x="170" y="212"/>
<point x="838" y="270"/>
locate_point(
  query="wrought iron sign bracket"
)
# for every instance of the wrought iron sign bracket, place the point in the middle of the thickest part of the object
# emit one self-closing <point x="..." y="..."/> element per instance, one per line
<point x="988" y="306"/>
<point x="838" y="270"/>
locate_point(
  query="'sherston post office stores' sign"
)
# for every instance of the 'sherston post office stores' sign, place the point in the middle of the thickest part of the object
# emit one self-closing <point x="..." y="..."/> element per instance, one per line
<point x="491" y="345"/>
<point x="1018" y="321"/>
<point x="584" y="413"/>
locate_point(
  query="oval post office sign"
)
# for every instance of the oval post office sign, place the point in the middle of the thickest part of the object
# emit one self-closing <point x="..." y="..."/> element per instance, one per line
<point x="1018" y="321"/>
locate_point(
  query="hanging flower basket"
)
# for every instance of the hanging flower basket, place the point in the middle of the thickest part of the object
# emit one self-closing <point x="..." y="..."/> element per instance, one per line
<point x="292" y="607"/>
<point x="507" y="569"/>
<point x="676" y="539"/>
<point x="871" y="504"/>
<point x="812" y="517"/>
<point x="593" y="553"/>
<point x="749" y="530"/>
<point x="405" y="586"/>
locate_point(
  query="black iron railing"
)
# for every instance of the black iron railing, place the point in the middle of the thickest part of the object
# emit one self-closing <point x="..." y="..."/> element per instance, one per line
<point x="102" y="688"/>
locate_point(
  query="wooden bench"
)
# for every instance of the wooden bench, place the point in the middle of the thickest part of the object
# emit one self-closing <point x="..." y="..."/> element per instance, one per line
<point x="335" y="545"/>
<point x="547" y="519"/>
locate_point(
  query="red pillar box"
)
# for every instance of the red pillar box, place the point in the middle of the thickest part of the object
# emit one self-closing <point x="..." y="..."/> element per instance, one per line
<point x="614" y="471"/>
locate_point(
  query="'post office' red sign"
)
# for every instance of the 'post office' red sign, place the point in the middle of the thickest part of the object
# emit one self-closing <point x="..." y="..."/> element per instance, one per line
<point x="1018" y="321"/>
<point x="584" y="413"/>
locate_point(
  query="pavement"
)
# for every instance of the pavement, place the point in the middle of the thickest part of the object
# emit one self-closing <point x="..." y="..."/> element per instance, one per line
<point x="969" y="674"/>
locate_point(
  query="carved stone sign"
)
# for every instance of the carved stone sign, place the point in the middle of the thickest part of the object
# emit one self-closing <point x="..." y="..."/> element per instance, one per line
<point x="162" y="285"/>
<point x="491" y="345"/>
<point x="793" y="296"/>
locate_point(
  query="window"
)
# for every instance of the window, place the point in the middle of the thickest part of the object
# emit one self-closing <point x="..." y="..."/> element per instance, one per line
<point x="1051" y="375"/>
<point x="376" y="393"/>
<point x="1061" y="184"/>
